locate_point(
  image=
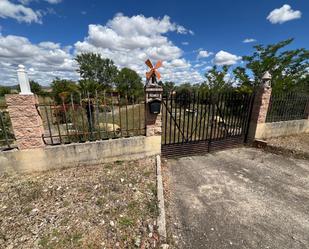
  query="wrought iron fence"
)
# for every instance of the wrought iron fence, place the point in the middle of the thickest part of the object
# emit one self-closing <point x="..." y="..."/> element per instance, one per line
<point x="201" y="122"/>
<point x="89" y="117"/>
<point x="7" y="138"/>
<point x="288" y="106"/>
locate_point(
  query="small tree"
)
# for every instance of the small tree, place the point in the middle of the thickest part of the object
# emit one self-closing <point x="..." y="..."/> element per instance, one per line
<point x="4" y="90"/>
<point x="218" y="80"/>
<point x="89" y="87"/>
<point x="129" y="83"/>
<point x="92" y="67"/>
<point x="168" y="88"/>
<point x="62" y="89"/>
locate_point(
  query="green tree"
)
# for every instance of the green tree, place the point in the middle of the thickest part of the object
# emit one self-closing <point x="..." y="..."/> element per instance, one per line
<point x="89" y="87"/>
<point x="218" y="80"/>
<point x="36" y="88"/>
<point x="289" y="68"/>
<point x="168" y="88"/>
<point x="4" y="90"/>
<point x="129" y="83"/>
<point x="93" y="67"/>
<point x="62" y="89"/>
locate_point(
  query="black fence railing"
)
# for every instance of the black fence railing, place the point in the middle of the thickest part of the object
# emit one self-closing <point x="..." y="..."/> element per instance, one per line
<point x="80" y="118"/>
<point x="288" y="106"/>
<point x="7" y="139"/>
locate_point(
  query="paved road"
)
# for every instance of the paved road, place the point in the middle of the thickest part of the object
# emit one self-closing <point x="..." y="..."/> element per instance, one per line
<point x="239" y="198"/>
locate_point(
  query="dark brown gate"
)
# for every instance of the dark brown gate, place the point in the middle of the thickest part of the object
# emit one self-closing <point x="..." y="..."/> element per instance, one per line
<point x="199" y="123"/>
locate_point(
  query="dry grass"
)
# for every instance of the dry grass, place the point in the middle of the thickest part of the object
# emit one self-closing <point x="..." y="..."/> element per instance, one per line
<point x="103" y="206"/>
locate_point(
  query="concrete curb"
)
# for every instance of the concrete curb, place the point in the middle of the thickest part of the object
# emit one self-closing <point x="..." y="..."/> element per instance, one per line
<point x="161" y="218"/>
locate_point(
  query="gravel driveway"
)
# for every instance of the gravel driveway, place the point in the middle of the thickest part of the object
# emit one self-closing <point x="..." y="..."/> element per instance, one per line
<point x="239" y="198"/>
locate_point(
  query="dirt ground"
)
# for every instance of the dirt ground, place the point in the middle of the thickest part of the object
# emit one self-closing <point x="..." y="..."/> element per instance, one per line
<point x="296" y="143"/>
<point x="103" y="206"/>
<point x="238" y="198"/>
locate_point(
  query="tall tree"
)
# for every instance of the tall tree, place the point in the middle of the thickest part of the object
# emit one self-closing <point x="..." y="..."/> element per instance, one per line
<point x="289" y="68"/>
<point x="218" y="80"/>
<point x="93" y="67"/>
<point x="129" y="83"/>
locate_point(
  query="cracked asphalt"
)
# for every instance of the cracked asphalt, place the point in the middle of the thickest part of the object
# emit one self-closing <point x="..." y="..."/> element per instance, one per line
<point x="238" y="198"/>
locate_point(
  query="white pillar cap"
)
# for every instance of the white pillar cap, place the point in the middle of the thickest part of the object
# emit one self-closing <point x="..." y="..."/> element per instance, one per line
<point x="266" y="76"/>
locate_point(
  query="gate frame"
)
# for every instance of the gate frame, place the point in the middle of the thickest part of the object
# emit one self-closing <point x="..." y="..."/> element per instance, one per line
<point x="214" y="107"/>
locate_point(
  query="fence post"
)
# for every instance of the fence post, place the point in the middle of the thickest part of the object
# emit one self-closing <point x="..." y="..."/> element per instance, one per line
<point x="153" y="121"/>
<point x="26" y="121"/>
<point x="260" y="108"/>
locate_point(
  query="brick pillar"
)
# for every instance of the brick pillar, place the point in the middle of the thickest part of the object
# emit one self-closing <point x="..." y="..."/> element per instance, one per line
<point x="153" y="121"/>
<point x="26" y="121"/>
<point x="260" y="108"/>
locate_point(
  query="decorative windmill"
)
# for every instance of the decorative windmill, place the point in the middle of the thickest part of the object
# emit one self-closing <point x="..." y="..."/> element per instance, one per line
<point x="153" y="74"/>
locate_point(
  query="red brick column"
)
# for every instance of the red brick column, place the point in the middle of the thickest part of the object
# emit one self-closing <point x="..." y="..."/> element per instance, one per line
<point x="260" y="107"/>
<point x="153" y="122"/>
<point x="26" y="121"/>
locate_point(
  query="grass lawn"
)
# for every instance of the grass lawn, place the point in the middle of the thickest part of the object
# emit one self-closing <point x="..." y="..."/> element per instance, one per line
<point x="104" y="206"/>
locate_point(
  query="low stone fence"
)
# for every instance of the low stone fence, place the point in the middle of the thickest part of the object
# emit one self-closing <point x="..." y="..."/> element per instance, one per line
<point x="79" y="154"/>
<point x="34" y="154"/>
<point x="282" y="128"/>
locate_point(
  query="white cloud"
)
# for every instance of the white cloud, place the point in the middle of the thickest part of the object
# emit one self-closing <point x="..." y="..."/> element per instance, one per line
<point x="46" y="60"/>
<point x="204" y="54"/>
<point x="185" y="43"/>
<point x="283" y="14"/>
<point x="19" y="12"/>
<point x="129" y="41"/>
<point x="53" y="1"/>
<point x="248" y="40"/>
<point x="49" y="1"/>
<point x="225" y="58"/>
<point x="83" y="12"/>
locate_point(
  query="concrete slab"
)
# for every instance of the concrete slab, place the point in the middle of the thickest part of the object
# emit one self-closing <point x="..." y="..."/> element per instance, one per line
<point x="239" y="198"/>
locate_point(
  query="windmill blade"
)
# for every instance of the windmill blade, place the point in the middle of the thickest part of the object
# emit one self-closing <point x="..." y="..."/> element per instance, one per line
<point x="149" y="74"/>
<point x="149" y="64"/>
<point x="159" y="64"/>
<point x="158" y="74"/>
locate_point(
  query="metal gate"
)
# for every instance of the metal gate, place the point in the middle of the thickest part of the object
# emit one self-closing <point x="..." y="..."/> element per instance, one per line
<point x="199" y="123"/>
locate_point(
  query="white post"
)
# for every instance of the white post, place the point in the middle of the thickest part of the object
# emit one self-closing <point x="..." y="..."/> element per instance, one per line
<point x="266" y="79"/>
<point x="23" y="81"/>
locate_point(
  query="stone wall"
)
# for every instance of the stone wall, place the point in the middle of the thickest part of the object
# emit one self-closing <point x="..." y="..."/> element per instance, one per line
<point x="74" y="155"/>
<point x="283" y="128"/>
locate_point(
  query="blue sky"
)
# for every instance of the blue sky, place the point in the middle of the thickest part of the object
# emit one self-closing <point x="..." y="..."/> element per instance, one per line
<point x="189" y="36"/>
